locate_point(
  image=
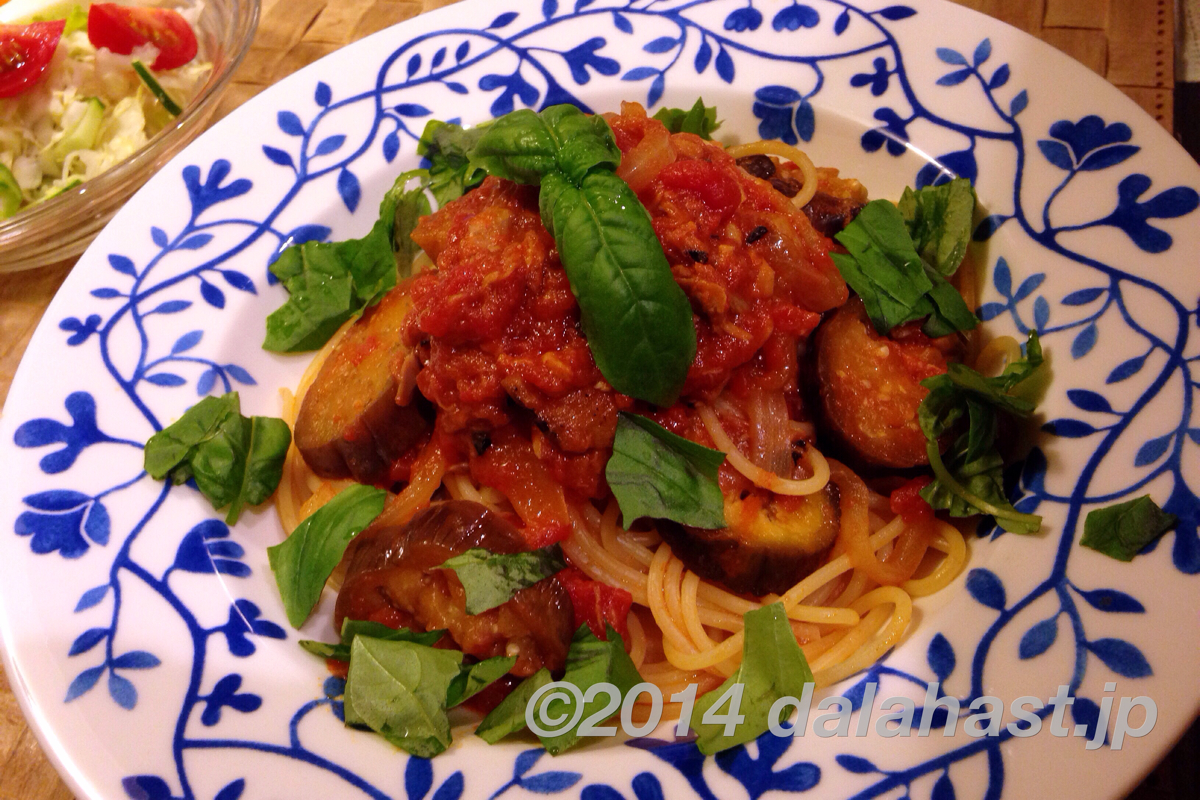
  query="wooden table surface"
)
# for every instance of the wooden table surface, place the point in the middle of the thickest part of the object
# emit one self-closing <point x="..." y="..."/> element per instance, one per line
<point x="1130" y="42"/>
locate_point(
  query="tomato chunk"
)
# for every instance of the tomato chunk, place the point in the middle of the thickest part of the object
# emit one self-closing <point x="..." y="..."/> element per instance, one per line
<point x="123" y="28"/>
<point x="25" y="53"/>
<point x="908" y="503"/>
<point x="597" y="603"/>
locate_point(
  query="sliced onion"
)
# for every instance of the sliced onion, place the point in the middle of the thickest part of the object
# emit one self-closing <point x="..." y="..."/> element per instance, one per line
<point x="770" y="433"/>
<point x="647" y="158"/>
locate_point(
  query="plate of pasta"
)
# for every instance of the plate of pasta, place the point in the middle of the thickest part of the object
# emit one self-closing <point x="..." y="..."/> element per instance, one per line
<point x="625" y="400"/>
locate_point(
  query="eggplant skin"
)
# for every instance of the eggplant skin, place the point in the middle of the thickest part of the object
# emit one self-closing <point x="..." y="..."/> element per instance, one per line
<point x="350" y="425"/>
<point x="765" y="549"/>
<point x="392" y="574"/>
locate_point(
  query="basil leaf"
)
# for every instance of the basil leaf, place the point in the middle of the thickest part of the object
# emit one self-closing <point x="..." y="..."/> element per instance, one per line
<point x="304" y="561"/>
<point x="509" y="716"/>
<point x="491" y="579"/>
<point x="398" y="689"/>
<point x="376" y="630"/>
<point x="637" y="320"/>
<point x="448" y="149"/>
<point x="885" y="270"/>
<point x="699" y="119"/>
<point x="1124" y="529"/>
<point x="591" y="661"/>
<point x="654" y="473"/>
<point x="234" y="460"/>
<point x="969" y="479"/>
<point x="411" y="205"/>
<point x="939" y="221"/>
<point x="525" y="146"/>
<point x="773" y="666"/>
<point x="474" y="678"/>
<point x="330" y="282"/>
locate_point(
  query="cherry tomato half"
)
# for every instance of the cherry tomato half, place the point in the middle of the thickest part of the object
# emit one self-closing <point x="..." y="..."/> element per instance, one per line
<point x="25" y="52"/>
<point x="123" y="28"/>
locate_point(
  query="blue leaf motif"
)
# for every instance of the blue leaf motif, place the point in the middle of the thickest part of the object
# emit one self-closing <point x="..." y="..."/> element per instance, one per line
<point x="211" y="191"/>
<point x="158" y="235"/>
<point x="122" y="691"/>
<point x="549" y="9"/>
<point x="582" y="56"/>
<point x="412" y="110"/>
<point x="525" y="761"/>
<point x="186" y="342"/>
<point x="87" y="640"/>
<point x="1089" y="401"/>
<point x="983" y="51"/>
<point x="349" y="189"/>
<point x="225" y="695"/>
<point x="940" y="656"/>
<point x="515" y="86"/>
<point x="81" y="433"/>
<point x="661" y="45"/>
<point x="418" y="778"/>
<point x="654" y="93"/>
<point x="92" y="597"/>
<point x="986" y="588"/>
<point x="451" y="789"/>
<point x="842" y="22"/>
<point x="84" y="682"/>
<point x="461" y="52"/>
<point x="1112" y="601"/>
<point x="80" y="331"/>
<point x="391" y="146"/>
<point x="329" y="144"/>
<point x="1084" y="341"/>
<point x="794" y="17"/>
<point x="1038" y="638"/>
<point x="951" y="56"/>
<point x="550" y="782"/>
<point x="943" y="788"/>
<point x="1056" y="153"/>
<point x="413" y="65"/>
<point x="1087" y="714"/>
<point x="1081" y="297"/>
<point x="1041" y="313"/>
<point x="503" y="20"/>
<point x="1153" y="450"/>
<point x="122" y="264"/>
<point x="165" y="379"/>
<point x="989" y="311"/>
<point x="1069" y="428"/>
<point x="211" y="294"/>
<point x="954" y="78"/>
<point x="238" y="280"/>
<point x="1108" y="157"/>
<point x="1126" y="369"/>
<point x="243" y="621"/>
<point x="1121" y="657"/>
<point x="703" y="57"/>
<point x="1019" y="103"/>
<point x="240" y="375"/>
<point x="639" y="74"/>
<point x="724" y="65"/>
<point x="1089" y="134"/>
<point x="323" y="94"/>
<point x="64" y="529"/>
<point x="136" y="659"/>
<point x="598" y="791"/>
<point x="280" y="157"/>
<point x="622" y="22"/>
<point x="805" y="121"/>
<point x="106" y="293"/>
<point x="856" y="764"/>
<point x="171" y="307"/>
<point x="204" y="541"/>
<point x="233" y="790"/>
<point x="146" y="787"/>
<point x="1028" y="286"/>
<point x="897" y="13"/>
<point x="999" y="77"/>
<point x="206" y="381"/>
<point x="289" y="123"/>
<point x="1131" y="215"/>
<point x="744" y="19"/>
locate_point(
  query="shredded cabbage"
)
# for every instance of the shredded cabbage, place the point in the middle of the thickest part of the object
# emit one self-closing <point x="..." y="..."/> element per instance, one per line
<point x="35" y="124"/>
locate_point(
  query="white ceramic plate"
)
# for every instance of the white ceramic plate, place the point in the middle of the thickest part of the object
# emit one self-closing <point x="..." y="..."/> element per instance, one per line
<point x="146" y="640"/>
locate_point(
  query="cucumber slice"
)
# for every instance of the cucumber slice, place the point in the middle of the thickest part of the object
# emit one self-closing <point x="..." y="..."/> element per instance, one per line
<point x="82" y="135"/>
<point x="156" y="89"/>
<point x="10" y="193"/>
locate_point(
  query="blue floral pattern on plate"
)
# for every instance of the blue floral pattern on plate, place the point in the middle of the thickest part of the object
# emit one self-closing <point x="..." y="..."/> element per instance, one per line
<point x="150" y="313"/>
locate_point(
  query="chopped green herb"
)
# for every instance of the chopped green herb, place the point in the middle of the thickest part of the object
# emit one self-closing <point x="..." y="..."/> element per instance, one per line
<point x="474" y="678"/>
<point x="591" y="661"/>
<point x="398" y="689"/>
<point x="376" y="630"/>
<point x="10" y="193"/>
<point x="939" y="220"/>
<point x="699" y="119"/>
<point x="773" y="666"/>
<point x="304" y="561"/>
<point x="328" y="283"/>
<point x="509" y="717"/>
<point x="896" y="286"/>
<point x="234" y="460"/>
<point x="77" y="19"/>
<point x="491" y="579"/>
<point x="655" y="473"/>
<point x="1123" y="529"/>
<point x="968" y="480"/>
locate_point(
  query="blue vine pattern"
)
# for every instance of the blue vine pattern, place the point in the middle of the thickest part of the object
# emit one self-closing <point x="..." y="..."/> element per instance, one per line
<point x="510" y="63"/>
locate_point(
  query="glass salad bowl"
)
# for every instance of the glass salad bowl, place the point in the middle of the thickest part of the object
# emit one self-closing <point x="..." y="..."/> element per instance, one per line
<point x="62" y="227"/>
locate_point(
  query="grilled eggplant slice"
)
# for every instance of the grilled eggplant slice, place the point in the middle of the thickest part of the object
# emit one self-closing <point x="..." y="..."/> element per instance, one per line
<point x="771" y="543"/>
<point x="392" y="577"/>
<point x="351" y="423"/>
